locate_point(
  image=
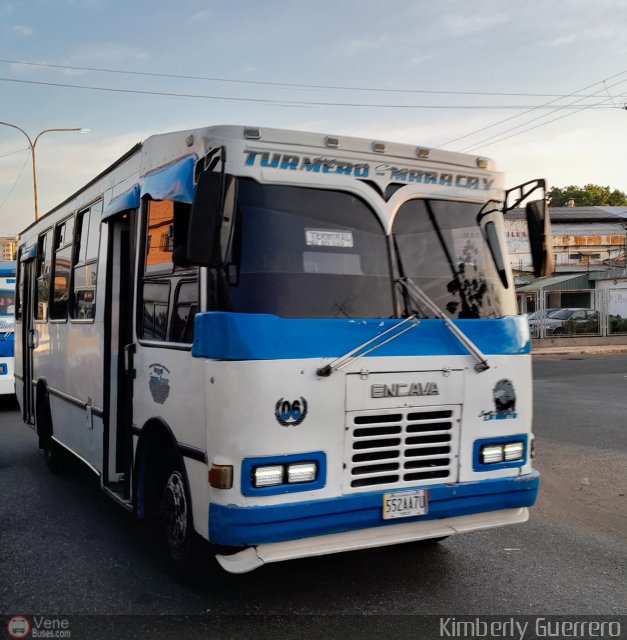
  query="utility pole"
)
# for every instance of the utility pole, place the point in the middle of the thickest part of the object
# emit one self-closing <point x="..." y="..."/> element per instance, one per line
<point x="32" y="144"/>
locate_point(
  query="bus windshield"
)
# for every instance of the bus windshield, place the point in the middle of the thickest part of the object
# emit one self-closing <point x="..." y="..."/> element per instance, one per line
<point x="443" y="251"/>
<point x="308" y="253"/>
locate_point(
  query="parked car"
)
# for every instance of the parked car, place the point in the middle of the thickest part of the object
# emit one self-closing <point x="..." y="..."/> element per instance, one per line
<point x="571" y="322"/>
<point x="535" y="317"/>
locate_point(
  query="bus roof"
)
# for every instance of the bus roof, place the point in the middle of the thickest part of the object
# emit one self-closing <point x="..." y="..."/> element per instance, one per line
<point x="161" y="149"/>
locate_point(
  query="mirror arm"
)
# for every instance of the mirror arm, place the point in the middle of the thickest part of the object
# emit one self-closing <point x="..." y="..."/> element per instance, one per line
<point x="539" y="183"/>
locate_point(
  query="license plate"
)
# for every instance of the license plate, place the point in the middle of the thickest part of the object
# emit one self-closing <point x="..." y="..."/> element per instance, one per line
<point x="405" y="504"/>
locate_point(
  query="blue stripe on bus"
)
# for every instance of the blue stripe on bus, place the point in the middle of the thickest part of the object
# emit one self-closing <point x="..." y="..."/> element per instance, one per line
<point x="242" y="336"/>
<point x="233" y="525"/>
<point x="173" y="182"/>
<point x="6" y="345"/>
<point x="125" y="201"/>
<point x="7" y="268"/>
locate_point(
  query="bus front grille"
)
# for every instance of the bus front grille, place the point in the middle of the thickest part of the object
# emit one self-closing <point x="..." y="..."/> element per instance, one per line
<point x="401" y="447"/>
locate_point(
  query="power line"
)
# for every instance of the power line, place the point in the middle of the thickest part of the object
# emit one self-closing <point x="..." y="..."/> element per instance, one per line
<point x="268" y="101"/>
<point x="287" y="85"/>
<point x="520" y="115"/>
<point x="482" y="143"/>
<point x="19" y="175"/>
<point x="13" y="153"/>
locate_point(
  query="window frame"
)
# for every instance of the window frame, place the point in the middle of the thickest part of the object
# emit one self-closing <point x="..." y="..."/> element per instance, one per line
<point x="77" y="213"/>
<point x="72" y="216"/>
<point x="188" y="274"/>
<point x="175" y="296"/>
<point x="37" y="320"/>
<point x="19" y="276"/>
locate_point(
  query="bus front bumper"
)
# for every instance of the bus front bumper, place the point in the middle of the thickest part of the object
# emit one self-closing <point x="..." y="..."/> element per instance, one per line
<point x="281" y="532"/>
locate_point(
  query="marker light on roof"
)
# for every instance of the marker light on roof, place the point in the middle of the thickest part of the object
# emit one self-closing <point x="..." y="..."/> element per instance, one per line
<point x="422" y="153"/>
<point x="332" y="141"/>
<point x="379" y="147"/>
<point x="252" y="134"/>
<point x="482" y="163"/>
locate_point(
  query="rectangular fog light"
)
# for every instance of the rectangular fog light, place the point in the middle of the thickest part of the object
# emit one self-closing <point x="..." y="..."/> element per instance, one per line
<point x="302" y="472"/>
<point x="514" y="450"/>
<point x="268" y="476"/>
<point x="491" y="453"/>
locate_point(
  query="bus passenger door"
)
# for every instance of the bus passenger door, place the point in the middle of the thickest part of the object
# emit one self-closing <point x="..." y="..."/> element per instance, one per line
<point x="118" y="361"/>
<point x="27" y="289"/>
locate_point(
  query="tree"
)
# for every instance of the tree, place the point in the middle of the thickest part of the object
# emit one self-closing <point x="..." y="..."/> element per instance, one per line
<point x="591" y="195"/>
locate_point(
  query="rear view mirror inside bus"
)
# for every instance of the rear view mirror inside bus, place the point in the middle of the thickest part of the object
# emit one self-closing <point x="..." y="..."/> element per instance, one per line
<point x="211" y="219"/>
<point x="540" y="238"/>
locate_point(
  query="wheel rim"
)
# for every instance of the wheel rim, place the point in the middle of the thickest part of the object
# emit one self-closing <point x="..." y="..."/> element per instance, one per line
<point x="174" y="509"/>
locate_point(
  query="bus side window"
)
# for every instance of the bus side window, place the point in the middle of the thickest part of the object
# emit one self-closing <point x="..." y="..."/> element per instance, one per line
<point x="156" y="296"/>
<point x="44" y="263"/>
<point x="62" y="268"/>
<point x="169" y="287"/>
<point x="83" y="297"/>
<point x="185" y="308"/>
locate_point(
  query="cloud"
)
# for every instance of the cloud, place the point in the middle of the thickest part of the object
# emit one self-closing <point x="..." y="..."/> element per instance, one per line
<point x="200" y="16"/>
<point x="357" y="46"/>
<point x="577" y="32"/>
<point x="415" y="60"/>
<point x="106" y="53"/>
<point x="22" y="31"/>
<point x="460" y="25"/>
<point x="562" y="40"/>
<point x="86" y="4"/>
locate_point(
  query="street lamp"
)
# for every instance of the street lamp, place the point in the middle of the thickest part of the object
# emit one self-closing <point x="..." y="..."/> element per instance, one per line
<point x="31" y="144"/>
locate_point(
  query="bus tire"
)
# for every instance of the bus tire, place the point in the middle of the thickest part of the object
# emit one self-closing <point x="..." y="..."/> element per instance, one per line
<point x="187" y="553"/>
<point x="55" y="456"/>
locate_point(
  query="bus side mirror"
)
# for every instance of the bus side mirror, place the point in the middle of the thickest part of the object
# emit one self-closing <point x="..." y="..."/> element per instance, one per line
<point x="540" y="238"/>
<point x="205" y="221"/>
<point x="211" y="219"/>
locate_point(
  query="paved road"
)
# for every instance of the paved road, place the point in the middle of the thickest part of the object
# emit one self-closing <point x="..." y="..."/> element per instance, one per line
<point x="65" y="548"/>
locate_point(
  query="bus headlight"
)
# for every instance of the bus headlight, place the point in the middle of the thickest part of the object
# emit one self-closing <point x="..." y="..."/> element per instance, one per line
<point x="491" y="453"/>
<point x="513" y="451"/>
<point x="507" y="452"/>
<point x="276" y="474"/>
<point x="302" y="472"/>
<point x="268" y="476"/>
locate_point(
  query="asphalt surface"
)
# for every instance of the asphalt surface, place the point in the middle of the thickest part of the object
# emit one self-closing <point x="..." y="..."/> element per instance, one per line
<point x="67" y="549"/>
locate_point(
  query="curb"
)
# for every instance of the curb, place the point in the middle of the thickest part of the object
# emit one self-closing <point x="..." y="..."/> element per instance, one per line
<point x="590" y="350"/>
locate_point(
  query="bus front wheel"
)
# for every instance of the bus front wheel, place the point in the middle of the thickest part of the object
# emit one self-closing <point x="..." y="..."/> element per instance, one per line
<point x="185" y="547"/>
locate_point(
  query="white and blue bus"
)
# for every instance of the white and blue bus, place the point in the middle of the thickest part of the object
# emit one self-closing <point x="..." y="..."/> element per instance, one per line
<point x="7" y="312"/>
<point x="285" y="343"/>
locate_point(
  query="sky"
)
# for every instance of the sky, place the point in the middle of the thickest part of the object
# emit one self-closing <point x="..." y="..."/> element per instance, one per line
<point x="405" y="70"/>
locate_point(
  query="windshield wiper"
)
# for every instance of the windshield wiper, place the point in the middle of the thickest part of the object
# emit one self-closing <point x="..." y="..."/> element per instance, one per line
<point x="425" y="300"/>
<point x="395" y="330"/>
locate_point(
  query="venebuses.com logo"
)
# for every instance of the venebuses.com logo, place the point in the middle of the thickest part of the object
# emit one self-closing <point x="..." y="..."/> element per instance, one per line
<point x="18" y="627"/>
<point x="38" y="627"/>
